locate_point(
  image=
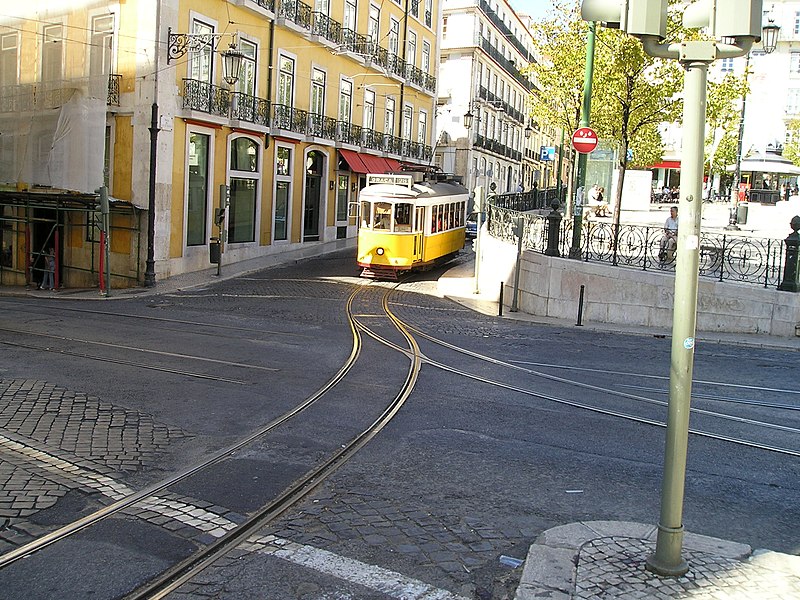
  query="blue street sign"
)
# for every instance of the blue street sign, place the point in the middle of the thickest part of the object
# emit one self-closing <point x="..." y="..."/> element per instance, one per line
<point x="547" y="153"/>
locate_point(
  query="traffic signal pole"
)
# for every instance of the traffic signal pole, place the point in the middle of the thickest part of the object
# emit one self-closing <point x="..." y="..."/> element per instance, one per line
<point x="586" y="108"/>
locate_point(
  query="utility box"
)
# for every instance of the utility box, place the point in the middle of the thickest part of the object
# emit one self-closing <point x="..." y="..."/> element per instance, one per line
<point x="214" y="251"/>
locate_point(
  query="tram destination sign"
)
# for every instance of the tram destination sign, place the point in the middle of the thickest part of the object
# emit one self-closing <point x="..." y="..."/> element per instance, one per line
<point x="391" y="179"/>
<point x="584" y="140"/>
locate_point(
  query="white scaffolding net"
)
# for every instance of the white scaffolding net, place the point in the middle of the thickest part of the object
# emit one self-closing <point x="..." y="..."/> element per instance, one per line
<point x="55" y="67"/>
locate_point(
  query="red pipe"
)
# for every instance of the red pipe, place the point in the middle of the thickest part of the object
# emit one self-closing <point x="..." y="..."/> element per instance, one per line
<point x="56" y="283"/>
<point x="102" y="261"/>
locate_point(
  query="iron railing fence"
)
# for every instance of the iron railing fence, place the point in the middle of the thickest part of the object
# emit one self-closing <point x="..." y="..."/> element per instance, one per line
<point x="723" y="256"/>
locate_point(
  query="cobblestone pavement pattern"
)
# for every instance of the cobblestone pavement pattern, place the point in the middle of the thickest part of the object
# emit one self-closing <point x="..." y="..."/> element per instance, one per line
<point x="53" y="440"/>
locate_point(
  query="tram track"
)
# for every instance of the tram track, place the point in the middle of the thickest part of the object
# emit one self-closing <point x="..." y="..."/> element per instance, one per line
<point x="298" y="490"/>
<point x="607" y="391"/>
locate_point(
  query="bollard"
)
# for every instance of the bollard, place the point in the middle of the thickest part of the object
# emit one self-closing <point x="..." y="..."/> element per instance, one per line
<point x="791" y="267"/>
<point x="500" y="303"/>
<point x="580" y="308"/>
<point x="553" y="227"/>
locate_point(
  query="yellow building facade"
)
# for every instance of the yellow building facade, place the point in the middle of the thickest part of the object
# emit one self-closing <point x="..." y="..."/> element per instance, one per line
<point x="325" y="94"/>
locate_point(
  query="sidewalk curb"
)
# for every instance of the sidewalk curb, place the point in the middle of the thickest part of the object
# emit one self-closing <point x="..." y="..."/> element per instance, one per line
<point x="550" y="569"/>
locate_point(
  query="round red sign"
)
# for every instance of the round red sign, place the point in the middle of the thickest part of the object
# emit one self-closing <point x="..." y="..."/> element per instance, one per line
<point x="584" y="140"/>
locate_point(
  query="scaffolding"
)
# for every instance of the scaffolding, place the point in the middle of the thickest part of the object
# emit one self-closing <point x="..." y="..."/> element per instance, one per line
<point x="68" y="225"/>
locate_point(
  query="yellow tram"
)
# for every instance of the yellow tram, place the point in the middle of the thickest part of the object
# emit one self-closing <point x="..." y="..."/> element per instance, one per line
<point x="407" y="225"/>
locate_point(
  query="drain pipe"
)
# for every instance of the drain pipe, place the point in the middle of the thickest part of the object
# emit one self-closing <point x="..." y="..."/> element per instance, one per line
<point x="580" y="308"/>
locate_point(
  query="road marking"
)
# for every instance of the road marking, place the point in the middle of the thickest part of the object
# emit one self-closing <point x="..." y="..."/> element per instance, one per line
<point x="394" y="585"/>
<point x="381" y="580"/>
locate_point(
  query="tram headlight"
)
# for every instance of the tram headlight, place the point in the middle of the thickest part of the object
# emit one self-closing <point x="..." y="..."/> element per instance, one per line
<point x="379" y="251"/>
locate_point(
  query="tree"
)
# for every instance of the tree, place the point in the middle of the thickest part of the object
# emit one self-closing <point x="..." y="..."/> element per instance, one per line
<point x="723" y="116"/>
<point x="791" y="149"/>
<point x="636" y="94"/>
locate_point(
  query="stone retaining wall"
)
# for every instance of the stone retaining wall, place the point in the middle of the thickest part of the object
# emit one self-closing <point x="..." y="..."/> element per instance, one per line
<point x="550" y="287"/>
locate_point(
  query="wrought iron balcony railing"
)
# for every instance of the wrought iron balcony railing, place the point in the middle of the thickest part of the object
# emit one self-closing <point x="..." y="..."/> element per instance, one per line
<point x="216" y="100"/>
<point x="206" y="97"/>
<point x="252" y="109"/>
<point x="321" y="126"/>
<point x="114" y="82"/>
<point x="723" y="256"/>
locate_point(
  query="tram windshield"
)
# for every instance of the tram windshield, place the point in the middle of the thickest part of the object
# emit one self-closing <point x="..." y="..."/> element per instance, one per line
<point x="379" y="216"/>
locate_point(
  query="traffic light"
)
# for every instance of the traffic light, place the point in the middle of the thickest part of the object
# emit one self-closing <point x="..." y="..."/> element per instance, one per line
<point x="635" y="17"/>
<point x="733" y="18"/>
<point x="219" y="216"/>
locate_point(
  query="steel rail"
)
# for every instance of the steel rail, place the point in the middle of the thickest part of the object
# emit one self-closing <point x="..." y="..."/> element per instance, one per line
<point x="136" y="349"/>
<point x="611" y="392"/>
<point x="184" y="571"/>
<point x="105" y="512"/>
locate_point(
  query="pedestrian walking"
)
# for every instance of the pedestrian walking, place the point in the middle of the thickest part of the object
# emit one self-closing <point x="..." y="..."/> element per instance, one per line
<point x="48" y="283"/>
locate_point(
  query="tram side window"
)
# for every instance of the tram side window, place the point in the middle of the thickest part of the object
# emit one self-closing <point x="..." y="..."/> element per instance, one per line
<point x="402" y="217"/>
<point x="383" y="216"/>
<point x="436" y="215"/>
<point x="366" y="209"/>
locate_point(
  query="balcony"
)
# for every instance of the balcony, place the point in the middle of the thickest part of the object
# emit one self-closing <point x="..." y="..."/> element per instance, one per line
<point x="237" y="106"/>
<point x="492" y="16"/>
<point x="506" y="64"/>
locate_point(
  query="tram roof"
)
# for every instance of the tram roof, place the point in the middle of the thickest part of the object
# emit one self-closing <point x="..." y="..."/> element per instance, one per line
<point x="425" y="190"/>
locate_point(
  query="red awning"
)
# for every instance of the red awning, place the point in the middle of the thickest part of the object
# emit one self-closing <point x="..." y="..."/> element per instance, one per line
<point x="667" y="164"/>
<point x="368" y="163"/>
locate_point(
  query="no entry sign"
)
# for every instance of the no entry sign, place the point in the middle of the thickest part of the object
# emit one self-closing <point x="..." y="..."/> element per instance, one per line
<point x="584" y="140"/>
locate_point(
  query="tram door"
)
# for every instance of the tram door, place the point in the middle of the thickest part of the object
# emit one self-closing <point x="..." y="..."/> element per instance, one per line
<point x="419" y="225"/>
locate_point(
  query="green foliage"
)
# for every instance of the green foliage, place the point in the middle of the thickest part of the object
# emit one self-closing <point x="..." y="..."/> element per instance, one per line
<point x="791" y="149"/>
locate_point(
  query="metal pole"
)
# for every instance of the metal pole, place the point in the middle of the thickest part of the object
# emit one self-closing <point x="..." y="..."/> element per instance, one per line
<point x="586" y="108"/>
<point x="479" y="210"/>
<point x="667" y="559"/>
<point x="514" y="299"/>
<point x="737" y="176"/>
<point x="150" y="262"/>
<point x="560" y="162"/>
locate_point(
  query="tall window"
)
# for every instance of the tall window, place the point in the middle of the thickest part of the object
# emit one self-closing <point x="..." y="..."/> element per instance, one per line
<point x="52" y="53"/>
<point x="797" y="23"/>
<point x="346" y="101"/>
<point x="411" y="48"/>
<point x="200" y="62"/>
<point x="8" y="62"/>
<point x="793" y="101"/>
<point x="317" y="91"/>
<point x="102" y="46"/>
<point x="321" y="6"/>
<point x="415" y="8"/>
<point x="285" y="81"/>
<point x="369" y="109"/>
<point x="422" y="127"/>
<point x="794" y="63"/>
<point x="726" y="65"/>
<point x="283" y="189"/>
<point x="388" y="123"/>
<point x="197" y="198"/>
<point x="246" y="84"/>
<point x="244" y="180"/>
<point x="373" y="27"/>
<point x="394" y="37"/>
<point x="350" y="12"/>
<point x="407" y="116"/>
<point x="425" y="65"/>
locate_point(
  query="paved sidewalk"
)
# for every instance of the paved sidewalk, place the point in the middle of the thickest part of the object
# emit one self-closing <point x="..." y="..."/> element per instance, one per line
<point x="606" y="559"/>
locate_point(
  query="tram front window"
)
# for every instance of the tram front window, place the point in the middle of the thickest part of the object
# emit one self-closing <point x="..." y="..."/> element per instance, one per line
<point x="383" y="216"/>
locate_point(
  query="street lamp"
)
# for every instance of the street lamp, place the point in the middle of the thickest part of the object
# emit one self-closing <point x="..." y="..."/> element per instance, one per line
<point x="769" y="41"/>
<point x="231" y="65"/>
<point x="769" y="36"/>
<point x="468" y="117"/>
